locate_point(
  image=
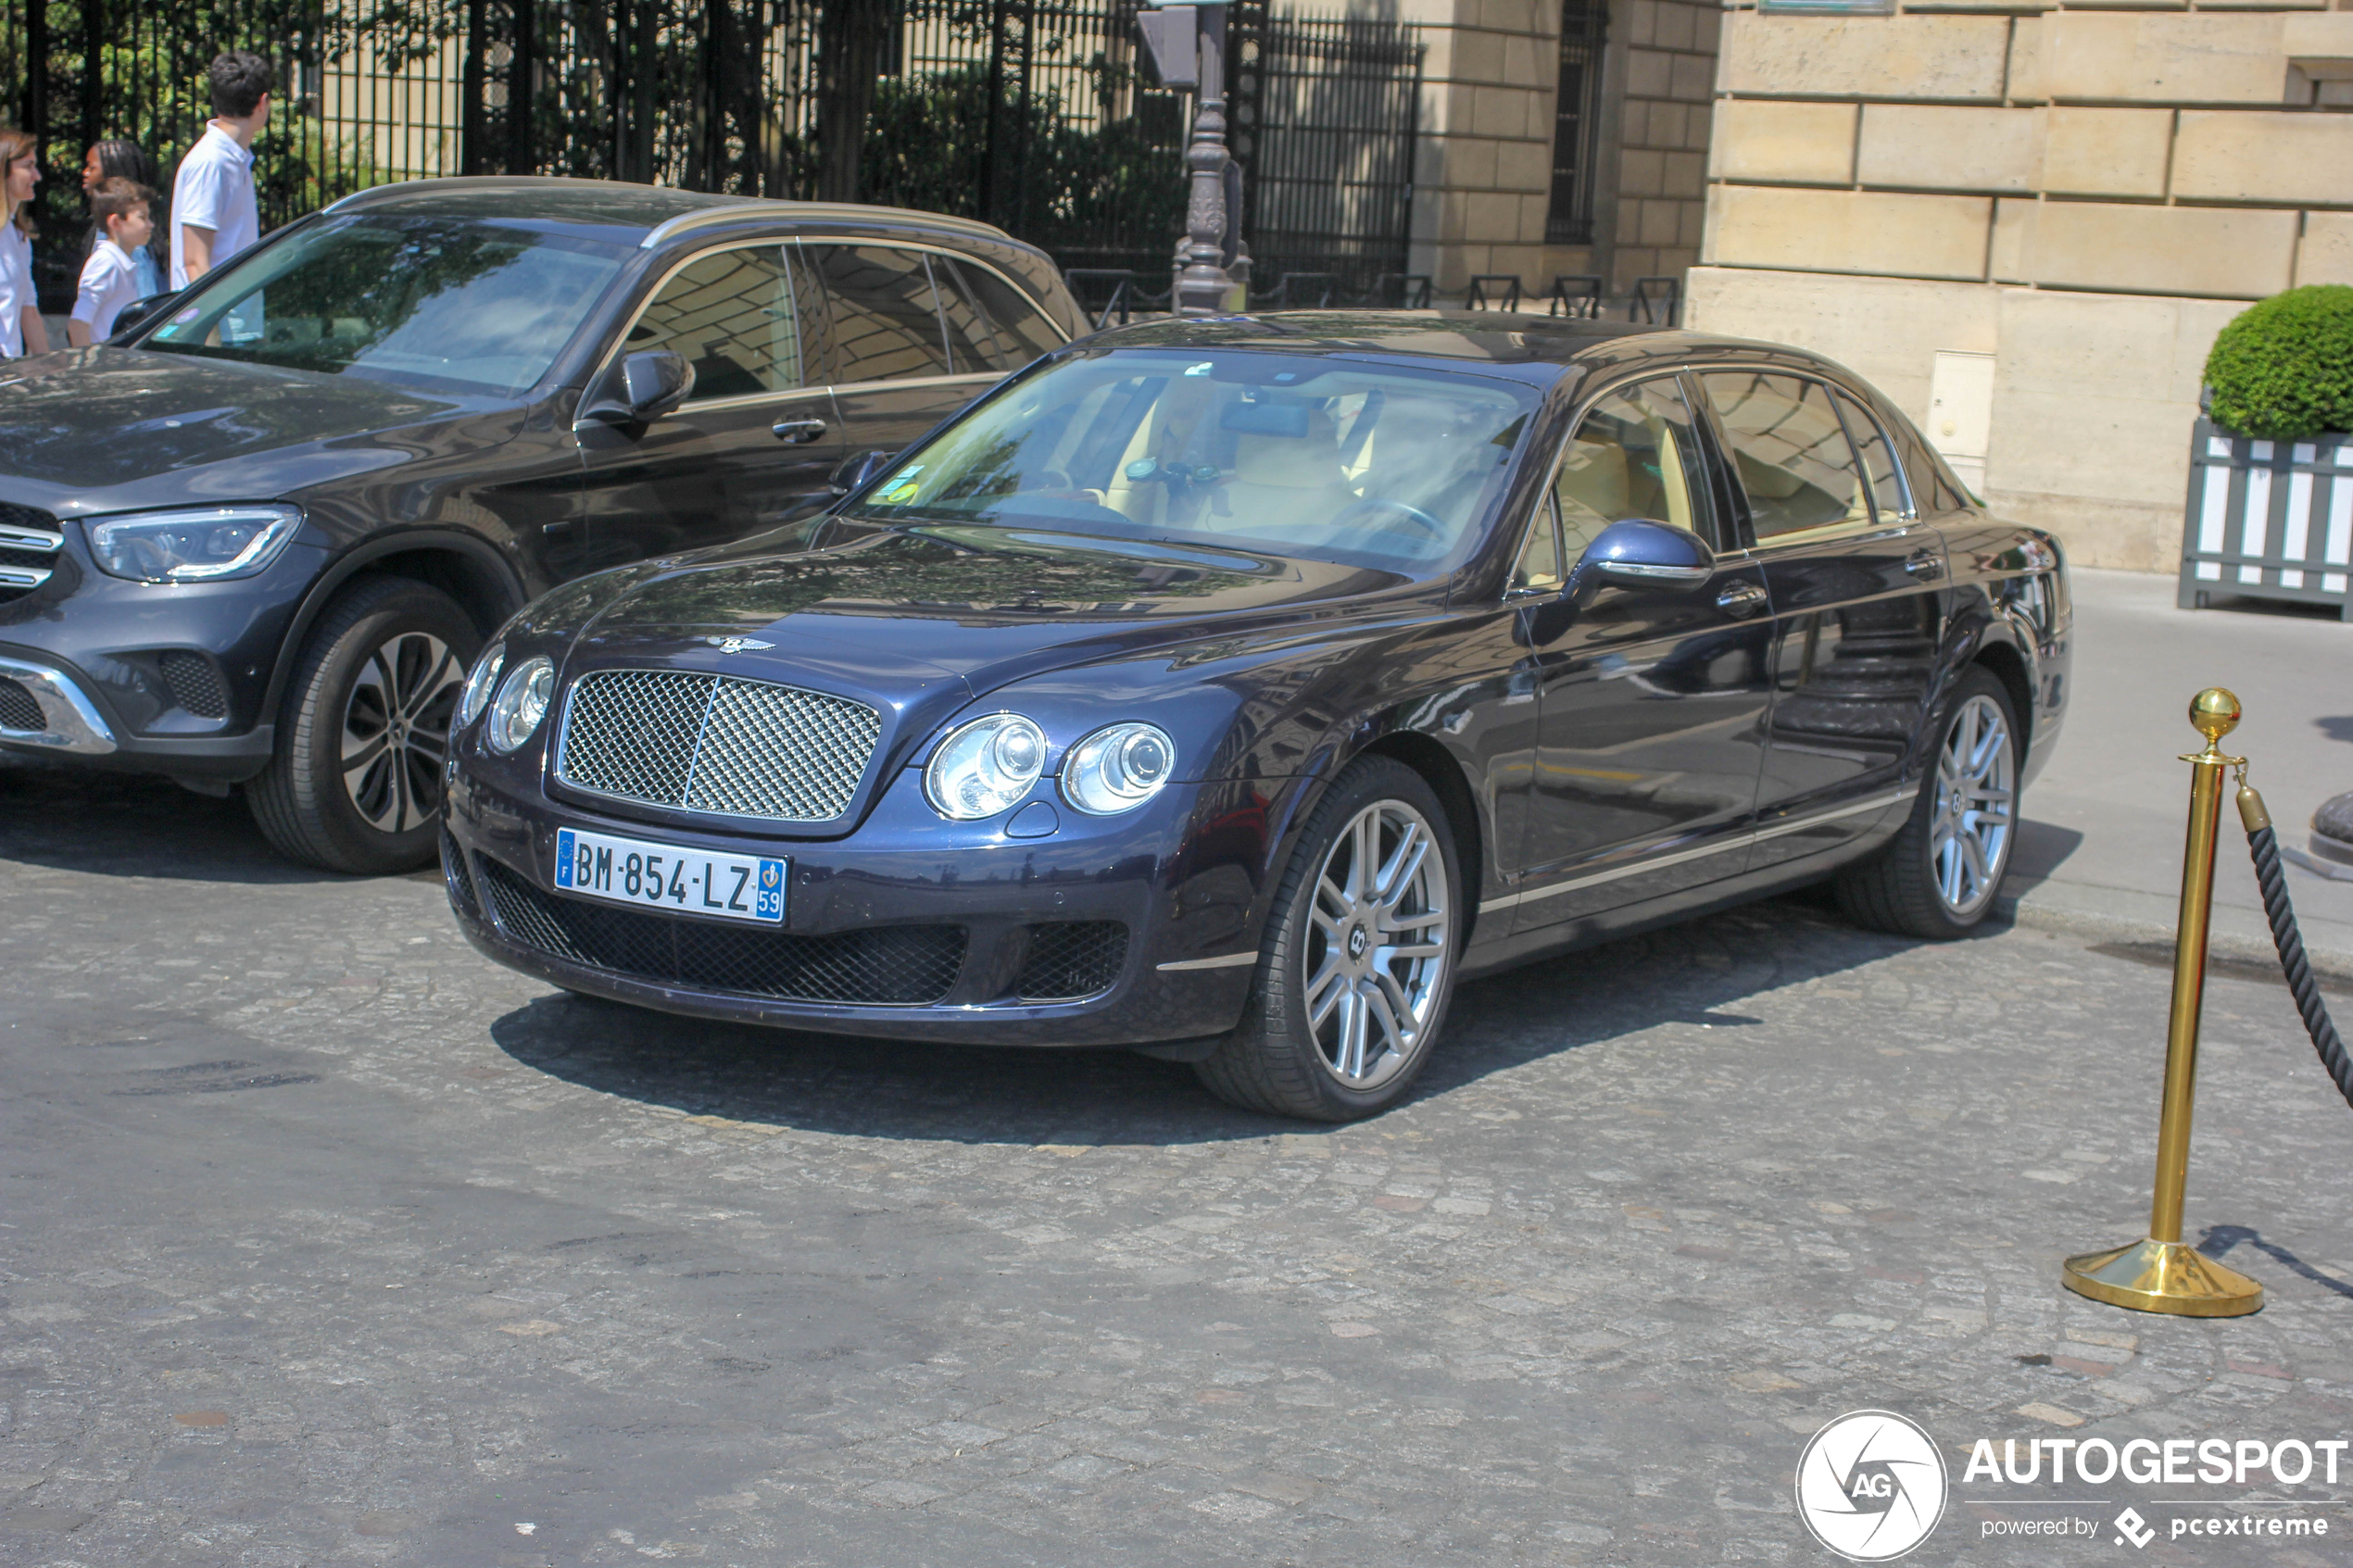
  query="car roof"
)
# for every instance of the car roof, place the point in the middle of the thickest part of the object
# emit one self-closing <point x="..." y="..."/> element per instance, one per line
<point x="652" y="213"/>
<point x="1492" y="337"/>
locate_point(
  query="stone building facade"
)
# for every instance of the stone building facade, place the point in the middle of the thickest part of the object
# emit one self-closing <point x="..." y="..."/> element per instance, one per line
<point x="1537" y="160"/>
<point x="2026" y="223"/>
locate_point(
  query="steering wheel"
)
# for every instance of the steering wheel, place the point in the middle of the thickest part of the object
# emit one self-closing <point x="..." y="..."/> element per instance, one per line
<point x="1415" y="514"/>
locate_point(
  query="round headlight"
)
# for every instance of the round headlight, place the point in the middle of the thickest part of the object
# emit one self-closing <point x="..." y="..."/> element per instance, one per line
<point x="521" y="704"/>
<point x="984" y="766"/>
<point x="476" y="696"/>
<point x="1117" y="769"/>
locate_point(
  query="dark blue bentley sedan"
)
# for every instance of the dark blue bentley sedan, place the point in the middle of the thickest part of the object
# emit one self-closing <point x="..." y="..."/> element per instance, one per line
<point x="1231" y="689"/>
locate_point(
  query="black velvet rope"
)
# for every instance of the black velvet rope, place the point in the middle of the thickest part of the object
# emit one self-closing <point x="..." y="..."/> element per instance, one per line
<point x="2264" y="844"/>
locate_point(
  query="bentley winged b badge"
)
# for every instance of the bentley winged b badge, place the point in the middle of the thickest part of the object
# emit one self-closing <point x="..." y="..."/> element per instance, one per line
<point x="737" y="644"/>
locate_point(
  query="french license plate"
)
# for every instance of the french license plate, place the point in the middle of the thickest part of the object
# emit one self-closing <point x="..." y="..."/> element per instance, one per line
<point x="664" y="877"/>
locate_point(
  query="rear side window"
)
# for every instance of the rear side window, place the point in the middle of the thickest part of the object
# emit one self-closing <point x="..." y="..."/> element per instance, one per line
<point x="972" y="343"/>
<point x="1792" y="456"/>
<point x="738" y="317"/>
<point x="1022" y="331"/>
<point x="884" y="315"/>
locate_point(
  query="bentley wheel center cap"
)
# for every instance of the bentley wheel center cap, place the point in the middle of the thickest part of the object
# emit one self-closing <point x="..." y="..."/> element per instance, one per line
<point x="1357" y="942"/>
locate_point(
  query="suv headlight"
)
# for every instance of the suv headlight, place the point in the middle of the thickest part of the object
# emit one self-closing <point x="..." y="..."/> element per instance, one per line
<point x="984" y="766"/>
<point x="1118" y="768"/>
<point x="521" y="704"/>
<point x="476" y="696"/>
<point x="195" y="544"/>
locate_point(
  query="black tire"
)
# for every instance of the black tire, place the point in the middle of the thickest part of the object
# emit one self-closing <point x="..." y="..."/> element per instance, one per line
<point x="1276" y="1061"/>
<point x="388" y="817"/>
<point x="1903" y="888"/>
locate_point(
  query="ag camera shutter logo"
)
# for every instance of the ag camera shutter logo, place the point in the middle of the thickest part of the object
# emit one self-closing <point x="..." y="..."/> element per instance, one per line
<point x="1870" y="1485"/>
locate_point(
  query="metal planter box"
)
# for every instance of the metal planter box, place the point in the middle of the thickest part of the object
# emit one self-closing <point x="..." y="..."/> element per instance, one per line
<point x="2269" y="520"/>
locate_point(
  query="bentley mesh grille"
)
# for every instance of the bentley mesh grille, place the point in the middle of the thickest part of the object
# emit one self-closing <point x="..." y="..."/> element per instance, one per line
<point x="714" y="743"/>
<point x="454" y="875"/>
<point x="885" y="965"/>
<point x="1071" y="958"/>
<point x="18" y="710"/>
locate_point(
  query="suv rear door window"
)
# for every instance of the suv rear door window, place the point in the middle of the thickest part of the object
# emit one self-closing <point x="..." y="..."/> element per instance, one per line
<point x="1792" y="455"/>
<point x="885" y="316"/>
<point x="1023" y="331"/>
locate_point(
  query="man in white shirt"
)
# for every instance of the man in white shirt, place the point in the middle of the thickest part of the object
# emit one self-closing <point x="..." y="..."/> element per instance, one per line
<point x="213" y="212"/>
<point x="110" y="278"/>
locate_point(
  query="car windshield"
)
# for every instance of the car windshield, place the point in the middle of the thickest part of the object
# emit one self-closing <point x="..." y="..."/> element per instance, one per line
<point x="1327" y="457"/>
<point x="444" y="303"/>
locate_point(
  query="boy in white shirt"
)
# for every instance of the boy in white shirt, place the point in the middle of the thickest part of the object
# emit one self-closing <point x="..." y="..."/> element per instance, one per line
<point x="110" y="278"/>
<point x="214" y="214"/>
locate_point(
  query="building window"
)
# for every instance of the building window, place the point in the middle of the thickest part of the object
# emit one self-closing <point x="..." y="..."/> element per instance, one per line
<point x="1577" y="120"/>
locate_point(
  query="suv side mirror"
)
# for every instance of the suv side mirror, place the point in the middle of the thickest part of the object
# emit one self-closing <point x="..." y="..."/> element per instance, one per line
<point x="1639" y="550"/>
<point x="857" y="472"/>
<point x="140" y="312"/>
<point x="640" y="389"/>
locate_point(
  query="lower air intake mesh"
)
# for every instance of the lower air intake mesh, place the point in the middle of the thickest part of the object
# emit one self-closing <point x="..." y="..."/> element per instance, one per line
<point x="461" y="884"/>
<point x="889" y="965"/>
<point x="196" y="685"/>
<point x="1072" y="959"/>
<point x="18" y="710"/>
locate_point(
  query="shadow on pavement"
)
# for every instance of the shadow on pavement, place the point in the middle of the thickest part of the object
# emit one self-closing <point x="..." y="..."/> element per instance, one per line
<point x="130" y="824"/>
<point x="2041" y="849"/>
<point x="2220" y="1239"/>
<point x="1695" y="974"/>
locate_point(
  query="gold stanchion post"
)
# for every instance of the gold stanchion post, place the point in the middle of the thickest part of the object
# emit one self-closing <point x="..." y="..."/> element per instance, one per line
<point x="2159" y="1274"/>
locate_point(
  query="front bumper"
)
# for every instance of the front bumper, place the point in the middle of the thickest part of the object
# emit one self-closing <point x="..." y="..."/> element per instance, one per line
<point x="1176" y="880"/>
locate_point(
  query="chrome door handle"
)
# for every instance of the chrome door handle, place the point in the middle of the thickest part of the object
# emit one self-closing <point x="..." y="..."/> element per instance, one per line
<point x="1924" y="565"/>
<point x="1741" y="598"/>
<point x="798" y="433"/>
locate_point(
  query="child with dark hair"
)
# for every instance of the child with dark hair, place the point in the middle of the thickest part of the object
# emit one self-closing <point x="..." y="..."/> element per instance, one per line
<point x="109" y="279"/>
<point x="120" y="158"/>
<point x="214" y="214"/>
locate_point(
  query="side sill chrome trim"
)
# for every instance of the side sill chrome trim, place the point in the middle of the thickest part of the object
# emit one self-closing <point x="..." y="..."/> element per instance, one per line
<point x="1657" y="862"/>
<point x="74" y="724"/>
<point x="1231" y="960"/>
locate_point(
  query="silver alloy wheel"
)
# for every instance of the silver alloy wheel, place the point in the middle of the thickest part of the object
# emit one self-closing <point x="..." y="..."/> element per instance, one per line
<point x="1976" y="806"/>
<point x="395" y="731"/>
<point x="1378" y="943"/>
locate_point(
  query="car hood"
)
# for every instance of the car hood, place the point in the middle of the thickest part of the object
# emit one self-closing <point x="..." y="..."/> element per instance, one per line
<point x="984" y="604"/>
<point x="98" y="430"/>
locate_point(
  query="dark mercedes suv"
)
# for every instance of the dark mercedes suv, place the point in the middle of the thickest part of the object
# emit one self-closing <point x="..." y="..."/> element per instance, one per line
<point x="256" y="539"/>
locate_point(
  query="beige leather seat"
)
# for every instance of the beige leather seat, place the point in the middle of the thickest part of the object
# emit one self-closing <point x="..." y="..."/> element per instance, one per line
<point x="1285" y="481"/>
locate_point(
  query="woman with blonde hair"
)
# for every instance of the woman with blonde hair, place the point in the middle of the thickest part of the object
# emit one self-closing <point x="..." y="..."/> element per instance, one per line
<point x="21" y="328"/>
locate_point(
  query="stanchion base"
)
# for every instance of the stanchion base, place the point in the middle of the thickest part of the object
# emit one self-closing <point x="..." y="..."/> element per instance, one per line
<point x="2162" y="1276"/>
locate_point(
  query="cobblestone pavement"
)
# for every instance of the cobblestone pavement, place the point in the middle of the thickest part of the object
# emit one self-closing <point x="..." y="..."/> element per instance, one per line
<point x="329" y="1242"/>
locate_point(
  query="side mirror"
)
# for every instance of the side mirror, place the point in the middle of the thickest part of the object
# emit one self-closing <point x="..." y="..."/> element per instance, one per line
<point x="640" y="389"/>
<point x="1638" y="550"/>
<point x="140" y="312"/>
<point x="857" y="472"/>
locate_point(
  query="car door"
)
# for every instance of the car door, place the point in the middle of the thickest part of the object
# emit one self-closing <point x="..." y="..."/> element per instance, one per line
<point x="906" y="343"/>
<point x="1857" y="585"/>
<point x="754" y="445"/>
<point x="1651" y="694"/>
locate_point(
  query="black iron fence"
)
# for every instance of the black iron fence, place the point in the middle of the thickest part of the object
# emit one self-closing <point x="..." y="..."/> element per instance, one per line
<point x="1035" y="115"/>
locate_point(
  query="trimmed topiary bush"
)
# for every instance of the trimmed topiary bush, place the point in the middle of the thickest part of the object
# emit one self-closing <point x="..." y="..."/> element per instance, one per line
<point x="2284" y="368"/>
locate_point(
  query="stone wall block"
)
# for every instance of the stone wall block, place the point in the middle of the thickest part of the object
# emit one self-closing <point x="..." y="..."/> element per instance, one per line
<point x="1523" y="166"/>
<point x="1810" y="144"/>
<point x="2239" y="253"/>
<point x="2326" y="253"/>
<point x="2024" y="84"/>
<point x="1919" y="236"/>
<point x="2013" y="241"/>
<point x="1691" y="78"/>
<point x="2153" y="58"/>
<point x="2105" y="152"/>
<point x="1478" y="57"/>
<point x="2222" y="155"/>
<point x="2328" y="37"/>
<point x="1641" y="173"/>
<point x="1946" y="148"/>
<point x="1887" y="329"/>
<point x="1686" y="175"/>
<point x="1650" y="74"/>
<point x="1906" y="56"/>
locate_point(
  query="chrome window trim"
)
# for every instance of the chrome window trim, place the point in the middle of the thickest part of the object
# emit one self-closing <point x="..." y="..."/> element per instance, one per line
<point x="613" y="351"/>
<point x="1700" y="852"/>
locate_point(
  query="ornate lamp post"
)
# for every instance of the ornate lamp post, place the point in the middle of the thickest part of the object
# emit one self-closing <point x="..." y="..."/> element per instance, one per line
<point x="1187" y="44"/>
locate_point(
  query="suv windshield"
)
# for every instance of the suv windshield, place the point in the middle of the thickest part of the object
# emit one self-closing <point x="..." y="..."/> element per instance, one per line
<point x="1330" y="459"/>
<point x="459" y="303"/>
